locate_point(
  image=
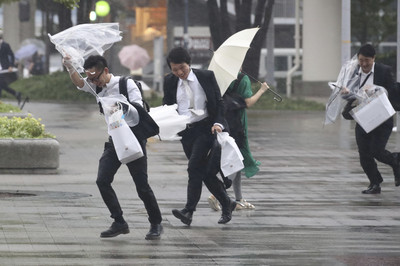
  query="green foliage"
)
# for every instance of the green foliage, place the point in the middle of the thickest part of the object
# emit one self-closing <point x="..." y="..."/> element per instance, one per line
<point x="373" y="21"/>
<point x="56" y="86"/>
<point x="17" y="127"/>
<point x="267" y="102"/>
<point x="67" y="3"/>
<point x="8" y="108"/>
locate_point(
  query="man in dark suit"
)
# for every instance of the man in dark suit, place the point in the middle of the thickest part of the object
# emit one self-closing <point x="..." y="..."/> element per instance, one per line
<point x="197" y="95"/>
<point x="7" y="64"/>
<point x="372" y="145"/>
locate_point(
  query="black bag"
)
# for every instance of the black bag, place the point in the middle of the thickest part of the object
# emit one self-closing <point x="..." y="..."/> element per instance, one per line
<point x="233" y="104"/>
<point x="147" y="127"/>
<point x="394" y="96"/>
<point x="346" y="110"/>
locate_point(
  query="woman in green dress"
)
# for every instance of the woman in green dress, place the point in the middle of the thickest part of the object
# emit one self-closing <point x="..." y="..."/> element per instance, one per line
<point x="242" y="87"/>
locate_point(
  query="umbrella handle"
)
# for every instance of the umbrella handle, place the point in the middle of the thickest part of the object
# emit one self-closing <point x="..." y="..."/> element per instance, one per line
<point x="277" y="97"/>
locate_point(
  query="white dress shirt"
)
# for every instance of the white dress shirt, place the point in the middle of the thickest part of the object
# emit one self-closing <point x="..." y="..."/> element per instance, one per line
<point x="112" y="88"/>
<point x="199" y="110"/>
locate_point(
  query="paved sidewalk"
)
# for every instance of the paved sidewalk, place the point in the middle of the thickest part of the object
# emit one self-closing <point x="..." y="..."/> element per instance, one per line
<point x="309" y="206"/>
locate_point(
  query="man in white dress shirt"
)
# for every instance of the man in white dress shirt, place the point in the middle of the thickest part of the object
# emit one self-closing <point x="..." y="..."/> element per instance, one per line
<point x="99" y="79"/>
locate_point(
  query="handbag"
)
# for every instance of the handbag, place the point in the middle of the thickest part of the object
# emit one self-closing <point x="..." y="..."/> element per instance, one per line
<point x="147" y="127"/>
<point x="373" y="111"/>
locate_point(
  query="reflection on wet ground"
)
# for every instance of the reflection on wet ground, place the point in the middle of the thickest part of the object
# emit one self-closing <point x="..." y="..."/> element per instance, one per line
<point x="309" y="206"/>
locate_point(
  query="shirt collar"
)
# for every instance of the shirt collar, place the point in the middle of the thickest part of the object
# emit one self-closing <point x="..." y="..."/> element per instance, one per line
<point x="191" y="76"/>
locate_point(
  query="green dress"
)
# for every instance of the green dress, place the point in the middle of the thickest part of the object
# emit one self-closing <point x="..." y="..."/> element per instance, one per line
<point x="250" y="164"/>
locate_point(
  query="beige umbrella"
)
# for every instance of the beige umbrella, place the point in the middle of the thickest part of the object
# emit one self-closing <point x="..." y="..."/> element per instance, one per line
<point x="228" y="59"/>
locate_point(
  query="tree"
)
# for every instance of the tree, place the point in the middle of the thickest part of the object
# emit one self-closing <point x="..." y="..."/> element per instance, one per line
<point x="373" y="20"/>
<point x="221" y="29"/>
<point x="67" y="3"/>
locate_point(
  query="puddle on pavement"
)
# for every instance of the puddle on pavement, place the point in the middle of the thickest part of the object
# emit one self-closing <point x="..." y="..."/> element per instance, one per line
<point x="9" y="194"/>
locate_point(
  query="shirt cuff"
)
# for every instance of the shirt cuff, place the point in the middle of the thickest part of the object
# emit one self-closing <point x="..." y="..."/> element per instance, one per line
<point x="220" y="125"/>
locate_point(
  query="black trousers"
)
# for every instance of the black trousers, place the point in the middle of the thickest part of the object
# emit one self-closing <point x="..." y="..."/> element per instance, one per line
<point x="372" y="146"/>
<point x="108" y="166"/>
<point x="4" y="86"/>
<point x="196" y="142"/>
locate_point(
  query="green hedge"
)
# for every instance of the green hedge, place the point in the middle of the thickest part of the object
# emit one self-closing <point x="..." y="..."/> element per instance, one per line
<point x="58" y="87"/>
<point x="17" y="127"/>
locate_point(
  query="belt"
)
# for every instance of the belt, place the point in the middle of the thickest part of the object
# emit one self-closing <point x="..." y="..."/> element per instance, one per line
<point x="202" y="122"/>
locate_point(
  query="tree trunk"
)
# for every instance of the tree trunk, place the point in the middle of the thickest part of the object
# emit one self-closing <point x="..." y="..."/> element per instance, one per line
<point x="243" y="18"/>
<point x="251" y="63"/>
<point x="215" y="23"/>
<point x="83" y="11"/>
<point x="64" y="17"/>
<point x="259" y="13"/>
<point x="226" y="30"/>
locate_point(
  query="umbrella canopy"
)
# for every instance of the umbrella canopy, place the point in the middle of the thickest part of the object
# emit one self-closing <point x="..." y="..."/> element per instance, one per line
<point x="25" y="51"/>
<point x="133" y="57"/>
<point x="83" y="40"/>
<point x="228" y="59"/>
<point x="347" y="78"/>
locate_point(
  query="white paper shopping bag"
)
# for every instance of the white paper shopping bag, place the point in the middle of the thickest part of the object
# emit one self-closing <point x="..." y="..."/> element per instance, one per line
<point x="373" y="111"/>
<point x="231" y="157"/>
<point x="125" y="143"/>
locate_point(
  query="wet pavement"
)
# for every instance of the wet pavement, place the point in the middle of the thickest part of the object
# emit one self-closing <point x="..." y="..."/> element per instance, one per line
<point x="309" y="206"/>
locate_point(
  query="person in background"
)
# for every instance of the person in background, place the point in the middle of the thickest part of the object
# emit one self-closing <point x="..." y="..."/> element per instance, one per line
<point x="240" y="94"/>
<point x="198" y="96"/>
<point x="7" y="60"/>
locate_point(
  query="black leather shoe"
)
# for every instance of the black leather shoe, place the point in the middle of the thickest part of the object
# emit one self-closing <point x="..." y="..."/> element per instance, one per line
<point x="374" y="189"/>
<point x="184" y="215"/>
<point x="227" y="213"/>
<point x="155" y="232"/>
<point x="396" y="169"/>
<point x="116" y="229"/>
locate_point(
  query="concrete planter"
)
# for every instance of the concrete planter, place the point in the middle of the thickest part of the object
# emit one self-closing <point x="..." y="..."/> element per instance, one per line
<point x="31" y="156"/>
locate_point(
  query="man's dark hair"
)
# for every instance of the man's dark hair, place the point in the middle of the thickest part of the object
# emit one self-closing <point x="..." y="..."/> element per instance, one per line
<point x="367" y="50"/>
<point x="96" y="61"/>
<point x="178" y="55"/>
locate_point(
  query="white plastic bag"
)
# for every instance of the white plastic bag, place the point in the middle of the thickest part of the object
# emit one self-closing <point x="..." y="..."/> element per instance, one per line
<point x="373" y="111"/>
<point x="169" y="121"/>
<point x="125" y="143"/>
<point x="110" y="105"/>
<point x="231" y="157"/>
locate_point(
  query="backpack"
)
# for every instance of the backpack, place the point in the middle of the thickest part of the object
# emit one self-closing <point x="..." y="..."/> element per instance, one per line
<point x="123" y="89"/>
<point x="233" y="105"/>
<point x="147" y="127"/>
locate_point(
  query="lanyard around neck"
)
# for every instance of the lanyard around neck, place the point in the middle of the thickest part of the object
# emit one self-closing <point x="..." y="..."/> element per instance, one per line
<point x="365" y="80"/>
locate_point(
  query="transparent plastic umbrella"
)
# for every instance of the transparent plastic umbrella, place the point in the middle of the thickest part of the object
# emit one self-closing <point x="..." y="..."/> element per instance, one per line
<point x="81" y="41"/>
<point x="347" y="78"/>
